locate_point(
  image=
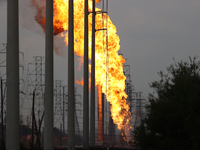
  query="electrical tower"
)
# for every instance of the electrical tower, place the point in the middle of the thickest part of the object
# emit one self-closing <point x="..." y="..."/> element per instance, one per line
<point x="129" y="85"/>
<point x="58" y="103"/>
<point x="77" y="96"/>
<point x="139" y="103"/>
<point x="3" y="86"/>
<point x="36" y="83"/>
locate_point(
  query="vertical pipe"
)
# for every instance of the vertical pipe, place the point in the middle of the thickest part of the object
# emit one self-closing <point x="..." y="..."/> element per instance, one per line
<point x="12" y="119"/>
<point x="92" y="120"/>
<point x="48" y="118"/>
<point x="2" y="134"/>
<point x="85" y="90"/>
<point x="71" y="100"/>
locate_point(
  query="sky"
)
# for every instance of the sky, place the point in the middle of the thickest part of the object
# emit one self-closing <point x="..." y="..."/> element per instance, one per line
<point x="152" y="33"/>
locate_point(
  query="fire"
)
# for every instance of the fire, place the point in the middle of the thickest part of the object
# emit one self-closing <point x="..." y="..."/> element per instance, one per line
<point x="109" y="73"/>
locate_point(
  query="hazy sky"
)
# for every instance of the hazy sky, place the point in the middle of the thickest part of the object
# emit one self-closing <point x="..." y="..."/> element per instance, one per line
<point x="152" y="33"/>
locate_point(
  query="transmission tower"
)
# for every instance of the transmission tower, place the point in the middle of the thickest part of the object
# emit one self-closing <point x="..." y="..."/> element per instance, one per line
<point x="3" y="84"/>
<point x="58" y="105"/>
<point x="77" y="96"/>
<point x="64" y="104"/>
<point x="139" y="104"/>
<point x="3" y="74"/>
<point x="36" y="83"/>
<point x="129" y="85"/>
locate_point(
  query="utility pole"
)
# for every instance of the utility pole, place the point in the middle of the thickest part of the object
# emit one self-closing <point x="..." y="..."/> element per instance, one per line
<point x="85" y="90"/>
<point x="48" y="118"/>
<point x="71" y="98"/>
<point x="92" y="119"/>
<point x="12" y="57"/>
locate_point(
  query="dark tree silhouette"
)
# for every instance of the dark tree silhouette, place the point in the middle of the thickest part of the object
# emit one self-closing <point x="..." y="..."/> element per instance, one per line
<point x="173" y="112"/>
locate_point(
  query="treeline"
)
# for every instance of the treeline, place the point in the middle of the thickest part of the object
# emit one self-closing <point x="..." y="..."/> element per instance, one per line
<point x="173" y="112"/>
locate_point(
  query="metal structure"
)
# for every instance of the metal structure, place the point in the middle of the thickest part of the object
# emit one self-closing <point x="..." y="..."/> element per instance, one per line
<point x="129" y="85"/>
<point x="86" y="86"/>
<point x="3" y="74"/>
<point x="3" y="86"/>
<point x="3" y="90"/>
<point x="49" y="76"/>
<point x="58" y="103"/>
<point x="36" y="83"/>
<point x="71" y="92"/>
<point x="139" y="104"/>
<point x="92" y="110"/>
<point x="12" y="57"/>
<point x="77" y="128"/>
<point x="64" y="102"/>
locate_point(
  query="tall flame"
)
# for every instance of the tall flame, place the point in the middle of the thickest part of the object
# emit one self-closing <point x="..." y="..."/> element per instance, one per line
<point x="109" y="73"/>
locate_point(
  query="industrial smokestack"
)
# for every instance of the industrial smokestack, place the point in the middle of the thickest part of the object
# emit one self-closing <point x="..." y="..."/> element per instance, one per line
<point x="85" y="90"/>
<point x="71" y="103"/>
<point x="12" y="57"/>
<point x="48" y="119"/>
<point x="92" y="119"/>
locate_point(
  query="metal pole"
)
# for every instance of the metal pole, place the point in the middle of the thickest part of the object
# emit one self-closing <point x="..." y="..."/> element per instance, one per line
<point x="2" y="134"/>
<point x="92" y="119"/>
<point x="48" y="118"/>
<point x="86" y="91"/>
<point x="12" y="119"/>
<point x="71" y="100"/>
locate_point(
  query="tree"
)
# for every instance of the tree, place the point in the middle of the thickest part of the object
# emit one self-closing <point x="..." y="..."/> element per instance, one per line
<point x="173" y="112"/>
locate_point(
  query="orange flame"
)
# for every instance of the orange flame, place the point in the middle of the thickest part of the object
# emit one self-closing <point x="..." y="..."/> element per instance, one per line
<point x="109" y="74"/>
